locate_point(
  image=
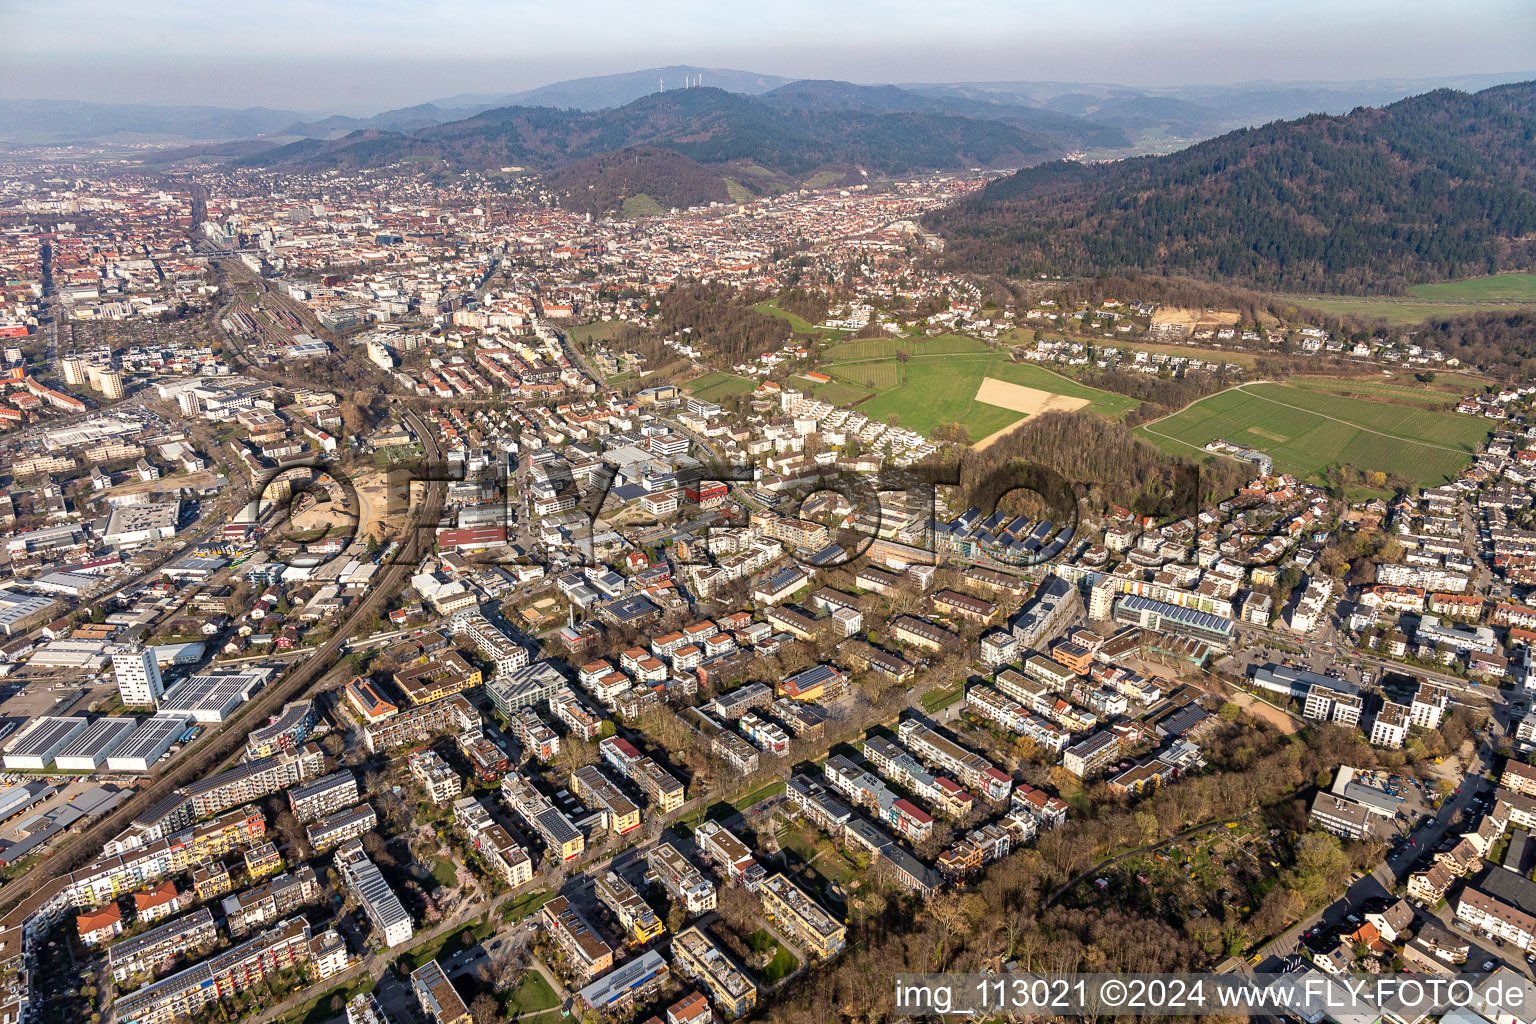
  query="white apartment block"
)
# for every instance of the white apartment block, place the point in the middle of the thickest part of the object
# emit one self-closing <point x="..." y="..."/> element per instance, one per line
<point x="1391" y="726"/>
<point x="138" y="676"/>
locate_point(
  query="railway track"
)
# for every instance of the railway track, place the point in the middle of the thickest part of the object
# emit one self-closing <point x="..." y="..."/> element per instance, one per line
<point x="218" y="747"/>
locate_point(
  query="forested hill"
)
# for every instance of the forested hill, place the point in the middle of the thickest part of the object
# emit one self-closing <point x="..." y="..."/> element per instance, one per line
<point x="1436" y="186"/>
<point x="706" y="125"/>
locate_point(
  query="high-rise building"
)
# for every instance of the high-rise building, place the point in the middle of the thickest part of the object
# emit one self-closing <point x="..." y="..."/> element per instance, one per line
<point x="74" y="370"/>
<point x="111" y="381"/>
<point x="138" y="676"/>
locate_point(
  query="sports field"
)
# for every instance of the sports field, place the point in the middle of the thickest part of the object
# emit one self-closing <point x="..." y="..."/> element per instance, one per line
<point x="1307" y="430"/>
<point x="714" y="386"/>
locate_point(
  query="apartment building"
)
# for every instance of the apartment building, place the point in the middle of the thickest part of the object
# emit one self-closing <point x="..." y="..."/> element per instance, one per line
<point x="697" y="958"/>
<point x="437" y="676"/>
<point x="505" y="653"/>
<point x="315" y="799"/>
<point x="599" y="793"/>
<point x="589" y="955"/>
<point x="138" y="675"/>
<point x="923" y="634"/>
<point x="254" y="780"/>
<point x="1325" y="705"/>
<point x="273" y="900"/>
<point x="289" y="728"/>
<point x="729" y="854"/>
<point x="576" y="716"/>
<point x="441" y="782"/>
<point x="1497" y="906"/>
<point x="806" y="922"/>
<point x="148" y="952"/>
<point x="436" y="996"/>
<point x="538" y="739"/>
<point x="683" y="882"/>
<point x="1429" y="706"/>
<point x="1088" y="757"/>
<point x="639" y="921"/>
<point x="964" y="606"/>
<point x="343" y="826"/>
<point x="981" y="846"/>
<point x="184" y="994"/>
<point x="655" y="782"/>
<point x="1345" y="818"/>
<point x="906" y="771"/>
<point x="969" y="768"/>
<point x="560" y="835"/>
<point x="109" y="877"/>
<point x="1391" y="726"/>
<point x="525" y="687"/>
<point x="996" y="707"/>
<point x="865" y="790"/>
<point x="421" y="724"/>
<point x="391" y="923"/>
<point x="493" y="842"/>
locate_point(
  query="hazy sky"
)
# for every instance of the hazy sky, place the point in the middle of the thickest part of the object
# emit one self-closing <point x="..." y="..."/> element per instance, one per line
<point x="330" y="54"/>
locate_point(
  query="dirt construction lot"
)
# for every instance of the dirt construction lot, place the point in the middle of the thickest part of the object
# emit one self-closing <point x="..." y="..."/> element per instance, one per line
<point x="1018" y="398"/>
<point x="1193" y="319"/>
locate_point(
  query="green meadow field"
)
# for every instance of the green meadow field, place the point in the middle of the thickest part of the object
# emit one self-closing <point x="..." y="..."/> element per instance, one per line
<point x="1306" y="430"/>
<point x="938" y="385"/>
<point x="714" y="386"/>
<point x="1427" y="301"/>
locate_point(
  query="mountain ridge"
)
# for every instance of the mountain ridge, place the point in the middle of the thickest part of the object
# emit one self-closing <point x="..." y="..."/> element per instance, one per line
<point x="1432" y="187"/>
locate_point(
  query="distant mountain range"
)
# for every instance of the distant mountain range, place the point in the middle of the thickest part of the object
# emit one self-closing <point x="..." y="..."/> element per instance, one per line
<point x="773" y="140"/>
<point x="643" y="136"/>
<point x="605" y="91"/>
<point x="1136" y="117"/>
<point x="1437" y="186"/>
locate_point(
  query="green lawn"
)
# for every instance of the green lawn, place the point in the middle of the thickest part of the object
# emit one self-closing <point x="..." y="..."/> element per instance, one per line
<point x="449" y="944"/>
<point x="714" y="386"/>
<point x="1419" y="444"/>
<point x="738" y="192"/>
<point x="925" y="392"/>
<point x="757" y="796"/>
<point x="942" y="697"/>
<point x="524" y="905"/>
<point x="797" y="324"/>
<point x="602" y="330"/>
<point x="1431" y="396"/>
<point x="840" y="393"/>
<point x="444" y="873"/>
<point x="319" y="1009"/>
<point x="1427" y="301"/>
<point x="782" y="963"/>
<point x="532" y="994"/>
<point x="877" y="375"/>
<point x="888" y="348"/>
<point x="1495" y="288"/>
<point x="1396" y="312"/>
